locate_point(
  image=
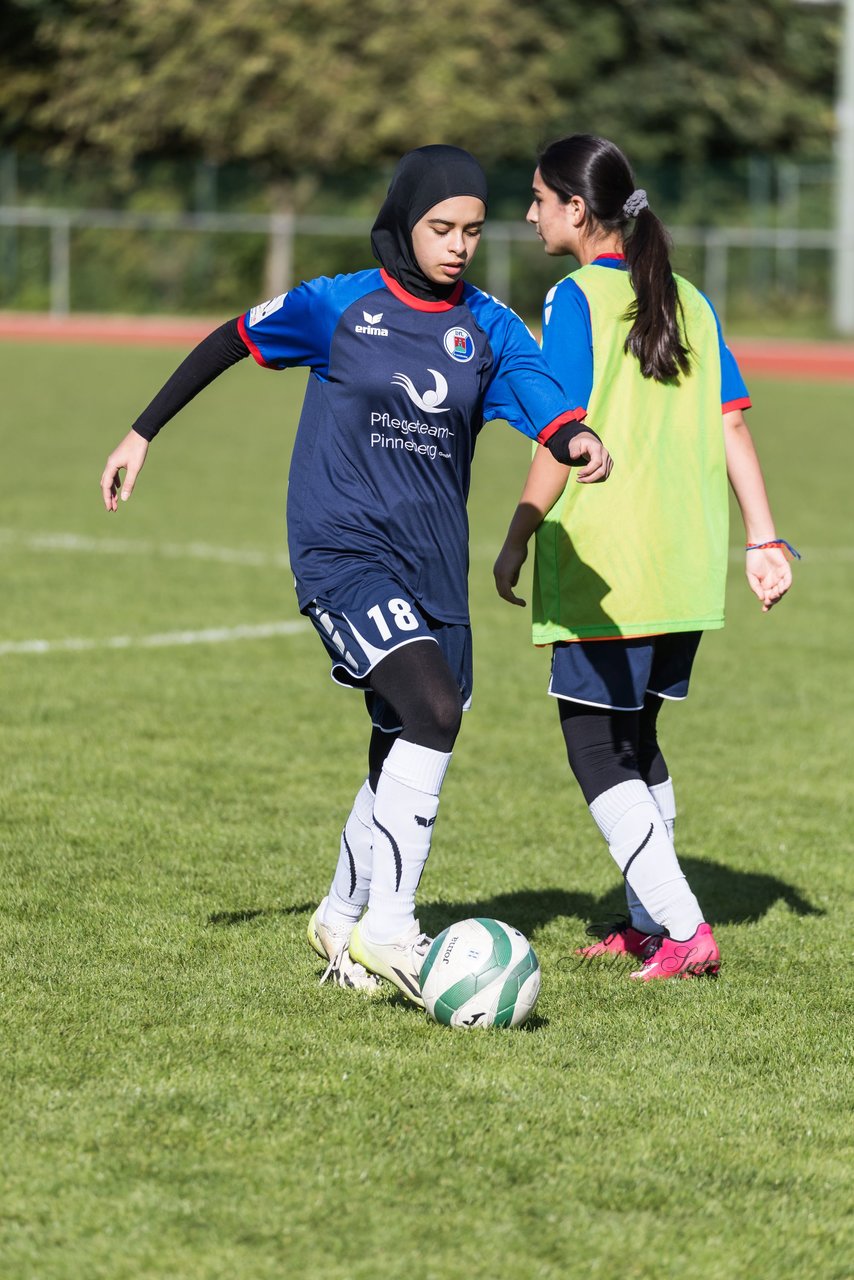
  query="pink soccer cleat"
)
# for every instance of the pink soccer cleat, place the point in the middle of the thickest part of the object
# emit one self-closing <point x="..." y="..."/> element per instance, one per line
<point x="618" y="937"/>
<point x="671" y="959"/>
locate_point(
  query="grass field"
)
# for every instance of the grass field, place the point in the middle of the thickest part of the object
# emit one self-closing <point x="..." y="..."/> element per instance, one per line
<point x="179" y="1097"/>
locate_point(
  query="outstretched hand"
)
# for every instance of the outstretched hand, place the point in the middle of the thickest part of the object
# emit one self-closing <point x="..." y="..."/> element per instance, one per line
<point x="769" y="575"/>
<point x="129" y="456"/>
<point x="598" y="464"/>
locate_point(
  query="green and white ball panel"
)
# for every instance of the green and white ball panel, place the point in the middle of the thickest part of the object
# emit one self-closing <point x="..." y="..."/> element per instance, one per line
<point x="480" y="973"/>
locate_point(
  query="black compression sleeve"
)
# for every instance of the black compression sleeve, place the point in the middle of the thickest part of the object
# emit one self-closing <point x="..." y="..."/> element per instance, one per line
<point x="558" y="445"/>
<point x="216" y="353"/>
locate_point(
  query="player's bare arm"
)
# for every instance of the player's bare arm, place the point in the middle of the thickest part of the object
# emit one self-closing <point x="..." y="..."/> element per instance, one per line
<point x="545" y="483"/>
<point x="767" y="566"/>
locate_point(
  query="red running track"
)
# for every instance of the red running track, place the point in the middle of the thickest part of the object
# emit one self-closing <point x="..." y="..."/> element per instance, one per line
<point x="763" y="357"/>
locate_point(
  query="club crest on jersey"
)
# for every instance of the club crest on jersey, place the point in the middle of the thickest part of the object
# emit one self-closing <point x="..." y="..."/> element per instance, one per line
<point x="459" y="345"/>
<point x="371" y="325"/>
<point x="428" y="401"/>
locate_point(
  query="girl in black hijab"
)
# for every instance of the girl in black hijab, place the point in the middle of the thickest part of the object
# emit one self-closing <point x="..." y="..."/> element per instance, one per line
<point x="423" y="178"/>
<point x="407" y="363"/>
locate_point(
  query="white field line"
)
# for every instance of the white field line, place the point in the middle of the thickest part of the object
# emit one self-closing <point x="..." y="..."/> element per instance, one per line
<point x="72" y="542"/>
<point x="75" y="543"/>
<point x="214" y="635"/>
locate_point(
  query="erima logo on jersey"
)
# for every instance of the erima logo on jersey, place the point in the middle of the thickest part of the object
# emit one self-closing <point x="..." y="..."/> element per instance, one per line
<point x="265" y="309"/>
<point x="431" y="400"/>
<point x="370" y="325"/>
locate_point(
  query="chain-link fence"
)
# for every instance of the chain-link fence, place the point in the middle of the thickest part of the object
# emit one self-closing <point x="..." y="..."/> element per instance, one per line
<point x="61" y="260"/>
<point x="193" y="239"/>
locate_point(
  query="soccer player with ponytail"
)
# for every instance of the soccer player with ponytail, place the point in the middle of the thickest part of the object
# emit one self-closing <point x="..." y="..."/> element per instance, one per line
<point x="628" y="576"/>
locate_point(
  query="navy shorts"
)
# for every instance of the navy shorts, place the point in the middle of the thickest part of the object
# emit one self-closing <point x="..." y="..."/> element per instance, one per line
<point x="372" y="617"/>
<point x="618" y="673"/>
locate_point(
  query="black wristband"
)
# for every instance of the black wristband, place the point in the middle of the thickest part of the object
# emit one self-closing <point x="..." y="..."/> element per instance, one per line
<point x="558" y="444"/>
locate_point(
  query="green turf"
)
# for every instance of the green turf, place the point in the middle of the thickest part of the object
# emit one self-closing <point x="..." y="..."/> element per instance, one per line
<point x="180" y="1099"/>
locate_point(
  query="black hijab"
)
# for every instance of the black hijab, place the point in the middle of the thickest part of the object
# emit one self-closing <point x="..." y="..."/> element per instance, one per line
<point x="423" y="177"/>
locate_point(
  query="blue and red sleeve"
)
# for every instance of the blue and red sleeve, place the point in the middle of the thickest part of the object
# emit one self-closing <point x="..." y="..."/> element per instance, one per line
<point x="568" y="338"/>
<point x="734" y="393"/>
<point x="295" y="328"/>
<point x="522" y="388"/>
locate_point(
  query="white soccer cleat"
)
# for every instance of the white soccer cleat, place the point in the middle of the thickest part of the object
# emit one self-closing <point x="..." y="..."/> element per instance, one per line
<point x="399" y="961"/>
<point x="330" y="943"/>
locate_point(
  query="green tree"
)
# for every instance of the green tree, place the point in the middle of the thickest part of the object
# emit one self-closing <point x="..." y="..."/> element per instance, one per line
<point x="700" y="81"/>
<point x="306" y="86"/>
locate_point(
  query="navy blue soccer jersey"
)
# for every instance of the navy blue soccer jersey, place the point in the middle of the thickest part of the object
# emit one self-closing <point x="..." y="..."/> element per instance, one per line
<point x="399" y="389"/>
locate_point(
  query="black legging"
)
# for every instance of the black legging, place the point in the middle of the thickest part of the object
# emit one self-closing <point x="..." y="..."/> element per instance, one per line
<point x="606" y="747"/>
<point x="417" y="681"/>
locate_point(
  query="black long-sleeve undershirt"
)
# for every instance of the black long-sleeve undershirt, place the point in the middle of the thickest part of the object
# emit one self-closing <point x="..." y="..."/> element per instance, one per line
<point x="214" y="354"/>
<point x="223" y="348"/>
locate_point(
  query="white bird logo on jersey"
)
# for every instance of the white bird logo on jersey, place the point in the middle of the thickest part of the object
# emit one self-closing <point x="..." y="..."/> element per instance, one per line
<point x="431" y="400"/>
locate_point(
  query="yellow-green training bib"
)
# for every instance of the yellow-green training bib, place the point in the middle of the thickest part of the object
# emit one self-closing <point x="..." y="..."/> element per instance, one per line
<point x="646" y="551"/>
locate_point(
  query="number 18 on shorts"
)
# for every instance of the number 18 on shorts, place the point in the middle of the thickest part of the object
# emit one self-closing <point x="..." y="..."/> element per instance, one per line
<point x="364" y="625"/>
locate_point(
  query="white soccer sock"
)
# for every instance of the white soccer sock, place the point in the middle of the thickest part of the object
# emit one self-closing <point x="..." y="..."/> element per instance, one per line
<point x="405" y="809"/>
<point x="638" y="914"/>
<point x="348" y="892"/>
<point x="662" y="794"/>
<point x="630" y="821"/>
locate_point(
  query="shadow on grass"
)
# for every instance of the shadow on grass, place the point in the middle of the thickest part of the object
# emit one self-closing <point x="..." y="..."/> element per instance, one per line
<point x="226" y="919"/>
<point x="727" y="896"/>
<point x="741" y="897"/>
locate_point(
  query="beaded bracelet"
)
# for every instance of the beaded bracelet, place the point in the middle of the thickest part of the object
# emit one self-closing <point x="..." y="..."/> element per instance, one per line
<point x="786" y="547"/>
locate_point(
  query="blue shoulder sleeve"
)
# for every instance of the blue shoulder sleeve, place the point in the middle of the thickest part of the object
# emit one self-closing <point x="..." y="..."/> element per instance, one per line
<point x="522" y="388"/>
<point x="297" y="328"/>
<point x="568" y="338"/>
<point x="734" y="393"/>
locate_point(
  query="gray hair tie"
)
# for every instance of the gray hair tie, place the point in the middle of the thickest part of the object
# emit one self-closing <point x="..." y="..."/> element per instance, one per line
<point x="636" y="201"/>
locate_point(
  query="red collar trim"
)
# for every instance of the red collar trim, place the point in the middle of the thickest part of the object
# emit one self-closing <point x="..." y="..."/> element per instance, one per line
<point x="620" y="257"/>
<point x="421" y="304"/>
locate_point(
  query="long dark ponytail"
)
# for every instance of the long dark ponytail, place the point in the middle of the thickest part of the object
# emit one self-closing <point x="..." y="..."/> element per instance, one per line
<point x="598" y="172"/>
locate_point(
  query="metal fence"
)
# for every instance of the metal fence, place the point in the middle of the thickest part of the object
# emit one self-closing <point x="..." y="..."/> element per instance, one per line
<point x="711" y="249"/>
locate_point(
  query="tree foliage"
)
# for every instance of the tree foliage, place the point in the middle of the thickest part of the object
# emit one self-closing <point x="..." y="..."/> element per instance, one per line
<point x="322" y="86"/>
<point x="306" y="83"/>
<point x="704" y="80"/>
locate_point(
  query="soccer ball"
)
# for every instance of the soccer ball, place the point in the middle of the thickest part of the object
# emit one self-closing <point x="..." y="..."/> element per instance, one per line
<point x="480" y="973"/>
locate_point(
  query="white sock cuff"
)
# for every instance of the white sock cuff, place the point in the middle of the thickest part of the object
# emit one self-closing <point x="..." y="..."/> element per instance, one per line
<point x="363" y="805"/>
<point x="613" y="804"/>
<point x="418" y="767"/>
<point x="663" y="795"/>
